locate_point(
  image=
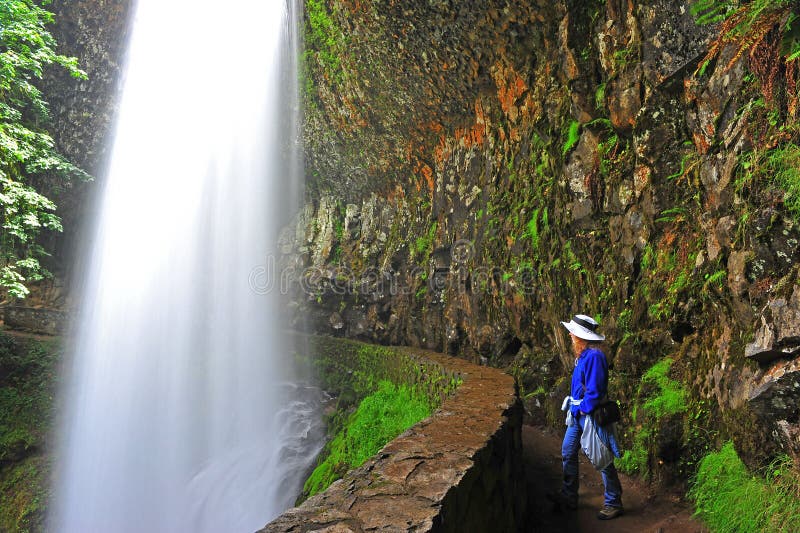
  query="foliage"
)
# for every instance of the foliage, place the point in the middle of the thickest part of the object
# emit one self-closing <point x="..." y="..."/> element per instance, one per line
<point x="27" y="382"/>
<point x="729" y="499"/>
<point x="423" y="244"/>
<point x="778" y="166"/>
<point x="573" y="136"/>
<point x="768" y="31"/>
<point x="671" y="398"/>
<point x="380" y="417"/>
<point x="668" y="398"/>
<point x="745" y="24"/>
<point x="25" y="393"/>
<point x="672" y="266"/>
<point x="26" y="149"/>
<point x="23" y="495"/>
<point x="533" y="227"/>
<point x="323" y="39"/>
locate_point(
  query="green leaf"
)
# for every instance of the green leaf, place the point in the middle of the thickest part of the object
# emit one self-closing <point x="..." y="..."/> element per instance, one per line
<point x="27" y="150"/>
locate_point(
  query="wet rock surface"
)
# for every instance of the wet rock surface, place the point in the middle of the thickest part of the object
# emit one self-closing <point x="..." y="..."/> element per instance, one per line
<point x="42" y="321"/>
<point x="82" y="111"/>
<point x="776" y="401"/>
<point x="572" y="158"/>
<point x="779" y="332"/>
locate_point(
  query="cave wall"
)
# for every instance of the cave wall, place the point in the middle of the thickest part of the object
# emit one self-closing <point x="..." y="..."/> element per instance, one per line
<point x="479" y="171"/>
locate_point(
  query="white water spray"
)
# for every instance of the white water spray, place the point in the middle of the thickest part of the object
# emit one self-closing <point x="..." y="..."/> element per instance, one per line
<point x="176" y="406"/>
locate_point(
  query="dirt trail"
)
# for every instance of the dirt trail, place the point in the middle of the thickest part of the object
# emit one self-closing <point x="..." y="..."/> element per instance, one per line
<point x="644" y="512"/>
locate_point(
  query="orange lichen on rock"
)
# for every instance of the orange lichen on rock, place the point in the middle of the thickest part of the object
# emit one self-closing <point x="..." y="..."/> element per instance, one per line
<point x="700" y="142"/>
<point x="354" y="6"/>
<point x="427" y="173"/>
<point x="396" y="195"/>
<point x="466" y="137"/>
<point x="419" y="164"/>
<point x="667" y="241"/>
<point x="510" y="87"/>
<point x="357" y="121"/>
<point x="423" y="170"/>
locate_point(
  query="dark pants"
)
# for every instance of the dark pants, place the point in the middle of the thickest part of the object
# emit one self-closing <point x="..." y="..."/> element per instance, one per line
<point x="569" y="457"/>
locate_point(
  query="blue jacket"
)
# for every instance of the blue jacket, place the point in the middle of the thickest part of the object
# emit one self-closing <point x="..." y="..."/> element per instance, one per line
<point x="589" y="380"/>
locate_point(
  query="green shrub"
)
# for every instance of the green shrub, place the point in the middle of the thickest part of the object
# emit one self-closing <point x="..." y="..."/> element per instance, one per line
<point x="380" y="417"/>
<point x="27" y="151"/>
<point x="730" y="499"/>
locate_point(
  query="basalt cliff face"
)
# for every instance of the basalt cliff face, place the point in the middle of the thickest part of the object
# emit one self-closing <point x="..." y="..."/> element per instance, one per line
<point x="478" y="171"/>
<point x="82" y="120"/>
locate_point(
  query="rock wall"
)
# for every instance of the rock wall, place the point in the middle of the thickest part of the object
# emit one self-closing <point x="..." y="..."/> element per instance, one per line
<point x="82" y="115"/>
<point x="478" y="172"/>
<point x="459" y="470"/>
<point x="32" y="320"/>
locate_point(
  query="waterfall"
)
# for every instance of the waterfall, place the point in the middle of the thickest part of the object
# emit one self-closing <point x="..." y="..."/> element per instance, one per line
<point x="179" y="410"/>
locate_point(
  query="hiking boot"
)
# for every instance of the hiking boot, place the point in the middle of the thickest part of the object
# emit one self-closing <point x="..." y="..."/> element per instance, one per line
<point x="608" y="512"/>
<point x="562" y="502"/>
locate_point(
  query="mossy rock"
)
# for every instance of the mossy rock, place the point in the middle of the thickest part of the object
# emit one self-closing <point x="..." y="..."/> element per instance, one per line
<point x="27" y="395"/>
<point x="748" y="435"/>
<point x="24" y="494"/>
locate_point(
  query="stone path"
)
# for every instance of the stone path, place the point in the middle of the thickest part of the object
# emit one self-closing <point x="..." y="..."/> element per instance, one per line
<point x="644" y="512"/>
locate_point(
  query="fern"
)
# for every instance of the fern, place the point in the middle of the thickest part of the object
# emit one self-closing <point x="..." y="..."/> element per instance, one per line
<point x="711" y="11"/>
<point x="573" y="136"/>
<point x="745" y="27"/>
<point x="533" y="229"/>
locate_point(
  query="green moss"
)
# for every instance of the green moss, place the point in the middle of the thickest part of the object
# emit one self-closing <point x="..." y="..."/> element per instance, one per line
<point x="324" y="40"/>
<point x="667" y="398"/>
<point x="671" y="398"/>
<point x="423" y="244"/>
<point x="24" y="495"/>
<point x="27" y="381"/>
<point x="782" y="164"/>
<point x="573" y="136"/>
<point x="380" y="417"/>
<point x="600" y="96"/>
<point x="730" y="499"/>
<point x="353" y="371"/>
<point x="634" y="461"/>
<point x="533" y="229"/>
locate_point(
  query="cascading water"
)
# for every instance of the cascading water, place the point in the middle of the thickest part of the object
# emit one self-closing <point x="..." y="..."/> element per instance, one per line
<point x="178" y="414"/>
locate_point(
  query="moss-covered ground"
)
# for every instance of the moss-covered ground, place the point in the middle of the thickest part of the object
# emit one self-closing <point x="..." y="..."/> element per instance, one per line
<point x="27" y="384"/>
<point x="380" y="392"/>
<point x="731" y="499"/>
<point x="379" y="418"/>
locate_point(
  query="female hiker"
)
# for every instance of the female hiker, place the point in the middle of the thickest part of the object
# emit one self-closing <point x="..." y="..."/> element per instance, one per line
<point x="588" y="390"/>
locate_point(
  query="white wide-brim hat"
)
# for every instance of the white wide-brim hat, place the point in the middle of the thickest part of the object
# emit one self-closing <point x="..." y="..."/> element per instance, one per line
<point x="584" y="327"/>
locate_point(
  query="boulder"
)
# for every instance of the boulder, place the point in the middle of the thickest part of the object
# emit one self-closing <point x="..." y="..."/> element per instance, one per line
<point x="778" y="335"/>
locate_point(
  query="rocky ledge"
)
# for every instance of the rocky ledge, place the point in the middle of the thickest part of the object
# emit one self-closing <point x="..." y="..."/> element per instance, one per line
<point x="42" y="321"/>
<point x="459" y="470"/>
